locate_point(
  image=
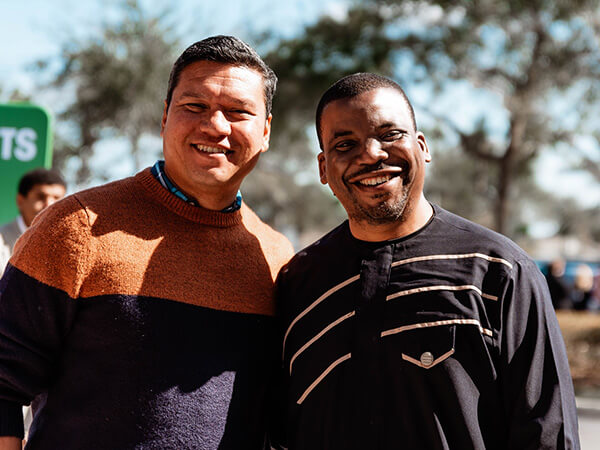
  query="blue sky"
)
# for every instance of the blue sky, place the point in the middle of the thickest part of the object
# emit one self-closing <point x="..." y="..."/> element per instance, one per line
<point x="34" y="29"/>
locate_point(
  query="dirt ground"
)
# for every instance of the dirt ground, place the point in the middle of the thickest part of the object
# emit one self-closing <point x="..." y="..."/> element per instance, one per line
<point x="581" y="332"/>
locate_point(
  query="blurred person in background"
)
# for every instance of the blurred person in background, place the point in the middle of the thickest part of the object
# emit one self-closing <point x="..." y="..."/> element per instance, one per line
<point x="142" y="310"/>
<point x="37" y="189"/>
<point x="584" y="298"/>
<point x="407" y="326"/>
<point x="560" y="289"/>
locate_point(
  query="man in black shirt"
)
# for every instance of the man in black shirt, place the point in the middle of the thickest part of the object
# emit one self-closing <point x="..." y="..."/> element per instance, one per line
<point x="408" y="326"/>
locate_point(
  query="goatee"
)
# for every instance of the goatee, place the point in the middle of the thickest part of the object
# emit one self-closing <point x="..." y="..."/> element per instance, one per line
<point x="383" y="213"/>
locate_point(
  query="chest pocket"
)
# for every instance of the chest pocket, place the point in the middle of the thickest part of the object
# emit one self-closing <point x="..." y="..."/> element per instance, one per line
<point x="430" y="342"/>
<point x="427" y="346"/>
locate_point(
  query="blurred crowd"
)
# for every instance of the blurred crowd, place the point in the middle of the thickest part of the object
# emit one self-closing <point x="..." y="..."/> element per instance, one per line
<point x="580" y="292"/>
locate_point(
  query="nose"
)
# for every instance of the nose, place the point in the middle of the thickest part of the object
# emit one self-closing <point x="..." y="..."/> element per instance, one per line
<point x="373" y="152"/>
<point x="217" y="125"/>
<point x="46" y="201"/>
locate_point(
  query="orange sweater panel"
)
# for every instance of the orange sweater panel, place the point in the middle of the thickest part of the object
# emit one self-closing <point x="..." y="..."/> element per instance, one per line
<point x="133" y="237"/>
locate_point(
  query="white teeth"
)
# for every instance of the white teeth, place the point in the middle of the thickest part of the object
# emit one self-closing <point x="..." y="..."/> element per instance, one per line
<point x="204" y="148"/>
<point x="375" y="181"/>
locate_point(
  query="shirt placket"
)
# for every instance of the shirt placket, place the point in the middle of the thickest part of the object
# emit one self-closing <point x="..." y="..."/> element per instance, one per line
<point x="374" y="281"/>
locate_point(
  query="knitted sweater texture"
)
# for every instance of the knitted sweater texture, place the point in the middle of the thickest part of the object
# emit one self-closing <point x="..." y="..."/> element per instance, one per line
<point x="139" y="321"/>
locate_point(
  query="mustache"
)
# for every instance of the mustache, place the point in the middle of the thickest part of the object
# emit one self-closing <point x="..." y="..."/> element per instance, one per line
<point x="380" y="165"/>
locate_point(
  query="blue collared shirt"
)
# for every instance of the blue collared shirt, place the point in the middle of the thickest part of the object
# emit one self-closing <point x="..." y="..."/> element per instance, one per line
<point x="158" y="170"/>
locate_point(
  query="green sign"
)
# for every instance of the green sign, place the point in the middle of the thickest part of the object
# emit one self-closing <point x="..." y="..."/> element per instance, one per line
<point x="25" y="144"/>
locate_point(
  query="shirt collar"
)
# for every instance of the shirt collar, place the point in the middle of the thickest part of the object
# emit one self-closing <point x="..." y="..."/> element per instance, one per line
<point x="21" y="224"/>
<point x="158" y="170"/>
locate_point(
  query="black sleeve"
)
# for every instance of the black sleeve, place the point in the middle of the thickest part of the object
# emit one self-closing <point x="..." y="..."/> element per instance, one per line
<point x="537" y="387"/>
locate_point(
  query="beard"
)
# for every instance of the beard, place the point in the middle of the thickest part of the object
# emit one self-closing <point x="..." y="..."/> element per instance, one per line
<point x="386" y="211"/>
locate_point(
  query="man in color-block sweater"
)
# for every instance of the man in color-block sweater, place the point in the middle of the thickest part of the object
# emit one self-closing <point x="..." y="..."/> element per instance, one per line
<point x="139" y="314"/>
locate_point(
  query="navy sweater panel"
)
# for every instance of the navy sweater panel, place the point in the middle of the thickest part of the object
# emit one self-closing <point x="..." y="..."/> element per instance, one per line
<point x="135" y="372"/>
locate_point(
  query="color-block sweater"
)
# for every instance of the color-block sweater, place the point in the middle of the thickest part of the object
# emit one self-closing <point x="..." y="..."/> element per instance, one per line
<point x="139" y="321"/>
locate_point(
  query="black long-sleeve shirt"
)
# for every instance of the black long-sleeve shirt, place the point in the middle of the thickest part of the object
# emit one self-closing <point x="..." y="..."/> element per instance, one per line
<point x="444" y="339"/>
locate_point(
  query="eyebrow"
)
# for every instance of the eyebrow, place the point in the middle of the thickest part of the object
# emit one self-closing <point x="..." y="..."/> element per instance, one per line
<point x="404" y="128"/>
<point x="343" y="133"/>
<point x="237" y="101"/>
<point x="338" y="134"/>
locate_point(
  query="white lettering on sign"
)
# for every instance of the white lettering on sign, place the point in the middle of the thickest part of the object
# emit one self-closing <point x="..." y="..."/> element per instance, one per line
<point x="19" y="143"/>
<point x="26" y="148"/>
<point x="7" y="135"/>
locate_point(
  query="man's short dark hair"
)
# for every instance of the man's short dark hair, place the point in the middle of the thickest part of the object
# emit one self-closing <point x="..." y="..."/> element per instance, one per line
<point x="353" y="85"/>
<point x="225" y="50"/>
<point x="39" y="176"/>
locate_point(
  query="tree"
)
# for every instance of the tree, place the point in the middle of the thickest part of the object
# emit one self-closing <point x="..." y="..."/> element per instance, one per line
<point x="591" y="162"/>
<point x="306" y="66"/>
<point x="532" y="55"/>
<point x="119" y="80"/>
<point x="13" y="95"/>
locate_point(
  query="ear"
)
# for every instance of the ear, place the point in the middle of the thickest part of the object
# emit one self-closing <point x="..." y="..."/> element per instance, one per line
<point x="423" y="146"/>
<point x="322" y="167"/>
<point x="267" y="134"/>
<point x="163" y="121"/>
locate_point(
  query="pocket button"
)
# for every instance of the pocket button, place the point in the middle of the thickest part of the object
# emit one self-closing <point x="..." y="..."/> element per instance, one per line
<point x="426" y="359"/>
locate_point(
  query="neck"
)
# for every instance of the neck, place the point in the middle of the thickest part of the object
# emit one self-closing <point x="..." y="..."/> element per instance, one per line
<point x="412" y="221"/>
<point x="215" y="199"/>
<point x="216" y="202"/>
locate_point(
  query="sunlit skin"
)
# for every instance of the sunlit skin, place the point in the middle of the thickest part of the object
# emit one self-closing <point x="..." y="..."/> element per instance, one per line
<point x="374" y="162"/>
<point x="10" y="443"/>
<point x="39" y="197"/>
<point x="214" y="131"/>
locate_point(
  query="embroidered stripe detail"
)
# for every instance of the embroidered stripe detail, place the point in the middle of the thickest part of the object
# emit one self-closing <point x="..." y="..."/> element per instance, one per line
<point x="466" y="287"/>
<point x="433" y="364"/>
<point x="323" y="375"/>
<point x="279" y="447"/>
<point x="438" y="323"/>
<point x="315" y="303"/>
<point x="459" y="256"/>
<point x="321" y="333"/>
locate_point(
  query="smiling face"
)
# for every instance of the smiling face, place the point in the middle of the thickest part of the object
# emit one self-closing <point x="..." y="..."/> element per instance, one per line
<point x="214" y="130"/>
<point x="374" y="162"/>
<point x="39" y="197"/>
